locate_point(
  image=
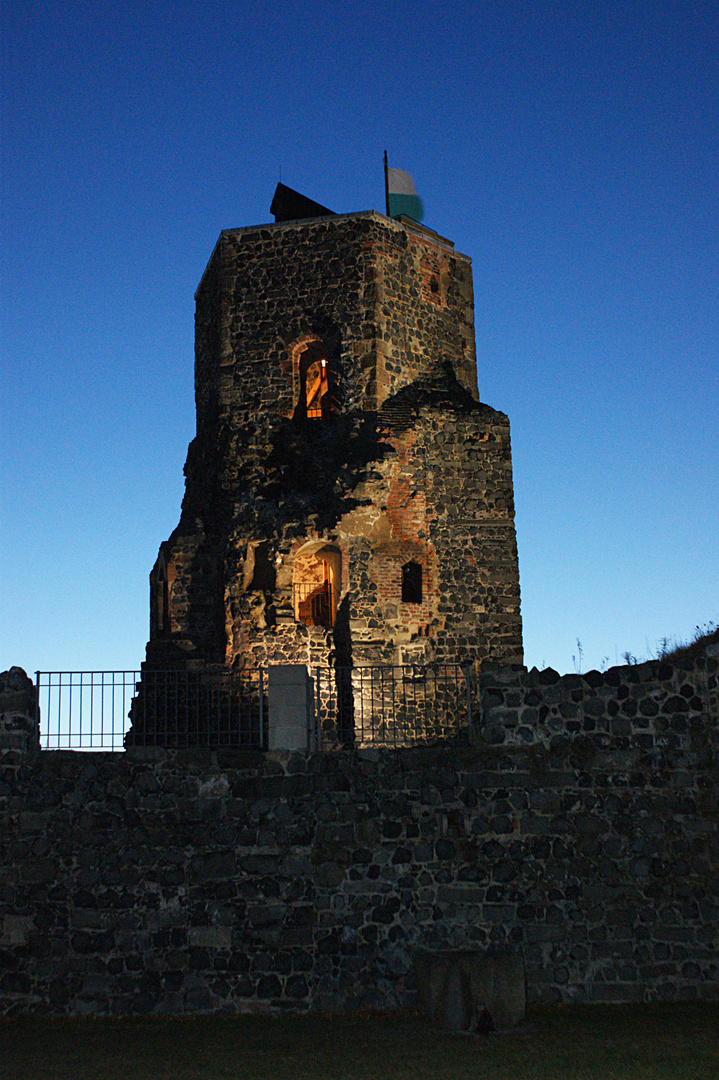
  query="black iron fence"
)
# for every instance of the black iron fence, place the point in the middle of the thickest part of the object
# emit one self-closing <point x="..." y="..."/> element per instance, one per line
<point x="84" y="710"/>
<point x="313" y="603"/>
<point x="361" y="706"/>
<point x="393" y="705"/>
<point x="217" y="707"/>
<point x="108" y="710"/>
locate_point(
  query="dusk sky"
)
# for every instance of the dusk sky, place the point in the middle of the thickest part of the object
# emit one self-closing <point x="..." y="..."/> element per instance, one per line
<point x="571" y="149"/>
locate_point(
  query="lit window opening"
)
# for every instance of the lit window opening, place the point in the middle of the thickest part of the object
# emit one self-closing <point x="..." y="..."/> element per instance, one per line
<point x="315" y="579"/>
<point x="317" y="389"/>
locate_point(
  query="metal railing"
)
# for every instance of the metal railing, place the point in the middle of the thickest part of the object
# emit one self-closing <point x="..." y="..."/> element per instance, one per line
<point x="313" y="603"/>
<point x="406" y="705"/>
<point x="84" y="710"/>
<point x="361" y="706"/>
<point x="108" y="710"/>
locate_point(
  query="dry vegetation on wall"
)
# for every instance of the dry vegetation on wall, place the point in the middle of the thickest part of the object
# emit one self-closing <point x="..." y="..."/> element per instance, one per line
<point x="705" y="635"/>
<point x="671" y="649"/>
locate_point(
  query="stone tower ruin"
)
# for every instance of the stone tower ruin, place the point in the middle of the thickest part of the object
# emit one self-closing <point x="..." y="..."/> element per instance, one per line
<point x="348" y="497"/>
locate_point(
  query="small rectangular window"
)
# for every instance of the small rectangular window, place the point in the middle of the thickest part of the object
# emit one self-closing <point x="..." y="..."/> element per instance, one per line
<point x="411" y="583"/>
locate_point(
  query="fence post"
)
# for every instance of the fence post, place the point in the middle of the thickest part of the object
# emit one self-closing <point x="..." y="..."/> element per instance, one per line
<point x="289" y="703"/>
<point x="318" y="708"/>
<point x="467" y="676"/>
<point x="262" y="710"/>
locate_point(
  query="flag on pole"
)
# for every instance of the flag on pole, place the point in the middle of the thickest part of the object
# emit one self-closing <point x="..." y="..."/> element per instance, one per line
<point x="402" y="197"/>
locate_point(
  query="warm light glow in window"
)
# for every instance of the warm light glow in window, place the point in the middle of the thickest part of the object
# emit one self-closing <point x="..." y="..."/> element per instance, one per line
<point x="317" y="389"/>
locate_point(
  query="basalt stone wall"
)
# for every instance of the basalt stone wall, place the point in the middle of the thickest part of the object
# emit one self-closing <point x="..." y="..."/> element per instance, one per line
<point x="643" y="710"/>
<point x="405" y="467"/>
<point x="19" y="718"/>
<point x="192" y="881"/>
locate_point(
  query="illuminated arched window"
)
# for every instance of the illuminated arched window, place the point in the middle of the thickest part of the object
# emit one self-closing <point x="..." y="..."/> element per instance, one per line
<point x="317" y="399"/>
<point x="317" y="390"/>
<point x="315" y="582"/>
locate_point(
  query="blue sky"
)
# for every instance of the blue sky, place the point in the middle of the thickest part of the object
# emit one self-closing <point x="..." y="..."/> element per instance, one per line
<point x="571" y="149"/>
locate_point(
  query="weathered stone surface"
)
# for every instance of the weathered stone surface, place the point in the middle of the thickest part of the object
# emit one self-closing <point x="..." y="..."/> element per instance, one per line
<point x="19" y="717"/>
<point x="597" y="861"/>
<point x="463" y="990"/>
<point x="403" y="473"/>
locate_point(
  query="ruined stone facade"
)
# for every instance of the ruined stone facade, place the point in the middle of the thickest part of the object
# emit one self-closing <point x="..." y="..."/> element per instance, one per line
<point x="349" y="499"/>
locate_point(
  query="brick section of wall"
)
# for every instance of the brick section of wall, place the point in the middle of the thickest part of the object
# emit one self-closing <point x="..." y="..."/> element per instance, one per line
<point x="192" y="881"/>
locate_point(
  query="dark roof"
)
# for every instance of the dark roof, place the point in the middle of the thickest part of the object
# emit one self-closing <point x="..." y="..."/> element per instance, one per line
<point x="289" y="205"/>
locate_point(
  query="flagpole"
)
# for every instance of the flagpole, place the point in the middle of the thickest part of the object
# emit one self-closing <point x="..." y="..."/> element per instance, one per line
<point x="386" y="184"/>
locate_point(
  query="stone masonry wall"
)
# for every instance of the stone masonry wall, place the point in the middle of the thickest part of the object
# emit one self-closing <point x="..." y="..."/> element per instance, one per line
<point x="410" y="467"/>
<point x="579" y="826"/>
<point x="19" y="718"/>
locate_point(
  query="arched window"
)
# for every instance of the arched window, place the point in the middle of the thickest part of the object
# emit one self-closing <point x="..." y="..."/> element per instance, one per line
<point x="315" y="583"/>
<point x="317" y="396"/>
<point x="317" y="390"/>
<point x="411" y="583"/>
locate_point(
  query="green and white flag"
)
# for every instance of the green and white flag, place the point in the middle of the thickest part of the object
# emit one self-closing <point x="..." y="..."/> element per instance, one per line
<point x="402" y="197"/>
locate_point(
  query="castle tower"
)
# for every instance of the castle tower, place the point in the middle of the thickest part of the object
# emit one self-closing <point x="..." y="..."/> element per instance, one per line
<point x="348" y="499"/>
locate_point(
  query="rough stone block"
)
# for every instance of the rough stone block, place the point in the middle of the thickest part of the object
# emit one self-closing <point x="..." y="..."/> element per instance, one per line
<point x="15" y="929"/>
<point x="213" y="937"/>
<point x="19" y="713"/>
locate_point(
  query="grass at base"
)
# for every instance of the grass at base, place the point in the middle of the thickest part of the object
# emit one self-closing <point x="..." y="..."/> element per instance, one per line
<point x="617" y="1042"/>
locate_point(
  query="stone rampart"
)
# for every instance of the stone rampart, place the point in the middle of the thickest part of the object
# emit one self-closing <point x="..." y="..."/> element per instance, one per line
<point x="641" y="708"/>
<point x="579" y="828"/>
